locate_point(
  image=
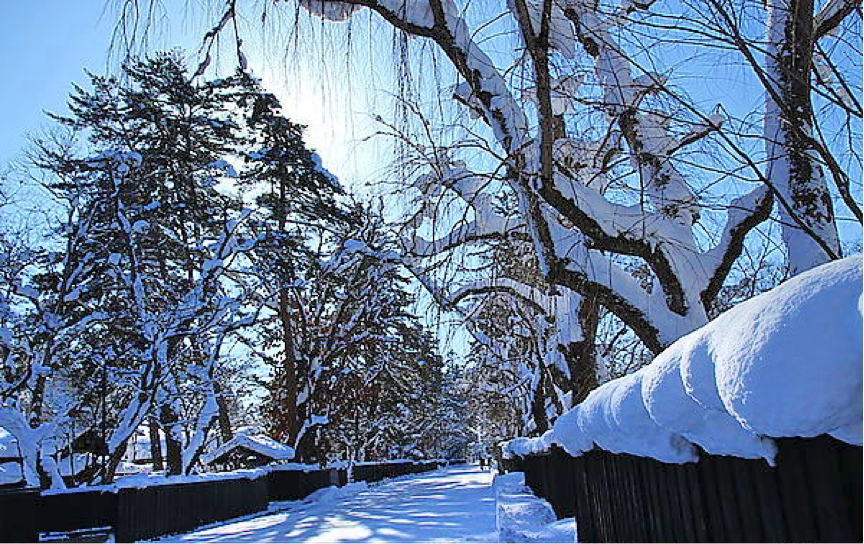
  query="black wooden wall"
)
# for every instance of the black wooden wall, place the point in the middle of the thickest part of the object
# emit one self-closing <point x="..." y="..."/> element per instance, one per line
<point x="813" y="494"/>
<point x="148" y="512"/>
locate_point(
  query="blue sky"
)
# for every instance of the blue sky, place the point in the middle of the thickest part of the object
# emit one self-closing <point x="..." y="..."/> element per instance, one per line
<point x="45" y="46"/>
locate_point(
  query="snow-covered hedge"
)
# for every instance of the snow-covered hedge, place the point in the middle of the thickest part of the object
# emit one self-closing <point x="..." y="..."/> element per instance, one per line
<point x="785" y="363"/>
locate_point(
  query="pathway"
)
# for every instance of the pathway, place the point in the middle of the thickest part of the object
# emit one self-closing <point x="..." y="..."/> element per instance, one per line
<point x="450" y="504"/>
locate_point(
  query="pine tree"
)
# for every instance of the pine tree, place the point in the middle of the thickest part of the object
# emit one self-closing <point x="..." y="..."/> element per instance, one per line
<point x="298" y="203"/>
<point x="161" y="234"/>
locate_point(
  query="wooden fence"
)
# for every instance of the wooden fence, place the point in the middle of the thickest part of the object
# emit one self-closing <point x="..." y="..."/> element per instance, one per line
<point x="64" y="512"/>
<point x="813" y="494"/>
<point x="18" y="511"/>
<point x="291" y="485"/>
<point x="134" y="514"/>
<point x="379" y="471"/>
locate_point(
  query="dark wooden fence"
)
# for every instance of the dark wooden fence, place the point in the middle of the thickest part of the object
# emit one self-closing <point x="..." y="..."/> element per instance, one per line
<point x="64" y="512"/>
<point x="148" y="512"/>
<point x="379" y="471"/>
<point x="291" y="485"/>
<point x="153" y="511"/>
<point x="813" y="494"/>
<point x="18" y="511"/>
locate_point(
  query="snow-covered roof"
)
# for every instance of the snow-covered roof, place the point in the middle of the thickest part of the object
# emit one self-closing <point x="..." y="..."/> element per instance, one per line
<point x="139" y="446"/>
<point x="257" y="443"/>
<point x="8" y="445"/>
<point x="10" y="473"/>
<point x="785" y="363"/>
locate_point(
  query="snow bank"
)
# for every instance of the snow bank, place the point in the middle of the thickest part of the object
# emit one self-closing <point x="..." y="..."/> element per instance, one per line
<point x="669" y="405"/>
<point x="334" y="494"/>
<point x="522" y="517"/>
<point x="785" y="363"/>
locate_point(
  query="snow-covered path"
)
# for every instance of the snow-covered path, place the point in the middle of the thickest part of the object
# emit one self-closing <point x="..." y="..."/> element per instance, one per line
<point x="450" y="504"/>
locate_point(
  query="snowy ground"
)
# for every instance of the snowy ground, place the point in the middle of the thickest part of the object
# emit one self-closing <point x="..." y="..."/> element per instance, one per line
<point x="450" y="504"/>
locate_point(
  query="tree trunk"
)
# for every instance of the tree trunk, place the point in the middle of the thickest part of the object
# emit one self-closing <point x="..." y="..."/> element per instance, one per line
<point x="793" y="167"/>
<point x="288" y="384"/>
<point x="110" y="468"/>
<point x="155" y="445"/>
<point x="173" y="443"/>
<point x="581" y="356"/>
<point x="224" y="417"/>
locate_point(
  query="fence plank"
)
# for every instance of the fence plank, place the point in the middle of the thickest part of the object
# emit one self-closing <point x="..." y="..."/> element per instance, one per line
<point x="596" y="491"/>
<point x="585" y="528"/>
<point x="690" y="476"/>
<point x="822" y="465"/>
<point x="749" y="511"/>
<point x="18" y="510"/>
<point x="628" y="516"/>
<point x="767" y="493"/>
<point x="678" y="482"/>
<point x="795" y="494"/>
<point x="671" y="492"/>
<point x="851" y="463"/>
<point x="649" y="508"/>
<point x="658" y="505"/>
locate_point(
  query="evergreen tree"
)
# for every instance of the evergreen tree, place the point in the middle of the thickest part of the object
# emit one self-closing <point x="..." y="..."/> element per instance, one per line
<point x="160" y="235"/>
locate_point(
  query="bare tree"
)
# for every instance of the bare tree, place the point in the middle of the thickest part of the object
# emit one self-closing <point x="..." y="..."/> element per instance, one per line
<point x="586" y="149"/>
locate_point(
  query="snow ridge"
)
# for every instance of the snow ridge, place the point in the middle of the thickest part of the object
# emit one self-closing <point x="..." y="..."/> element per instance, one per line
<point x="786" y="363"/>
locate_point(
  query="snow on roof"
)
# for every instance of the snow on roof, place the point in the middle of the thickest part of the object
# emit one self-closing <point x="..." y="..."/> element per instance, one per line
<point x="10" y="473"/>
<point x="257" y="443"/>
<point x="8" y="445"/>
<point x="785" y="363"/>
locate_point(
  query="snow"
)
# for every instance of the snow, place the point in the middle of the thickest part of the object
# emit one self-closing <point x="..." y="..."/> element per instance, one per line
<point x="522" y="517"/>
<point x="801" y="341"/>
<point x="330" y="10"/>
<point x="151" y="479"/>
<point x="530" y="446"/>
<point x="447" y="505"/>
<point x="615" y="417"/>
<point x="8" y="445"/>
<point x="10" y="473"/>
<point x="671" y="407"/>
<point x="786" y="363"/>
<point x="319" y="167"/>
<point x="257" y="443"/>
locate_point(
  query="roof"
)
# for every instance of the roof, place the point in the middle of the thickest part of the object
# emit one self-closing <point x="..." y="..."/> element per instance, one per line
<point x="258" y="443"/>
<point x="8" y="446"/>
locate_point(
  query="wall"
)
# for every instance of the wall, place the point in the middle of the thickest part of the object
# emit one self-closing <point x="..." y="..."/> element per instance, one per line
<point x="813" y="494"/>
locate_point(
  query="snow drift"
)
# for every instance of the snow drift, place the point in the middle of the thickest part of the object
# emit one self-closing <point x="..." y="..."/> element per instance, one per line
<point x="785" y="363"/>
<point x="522" y="517"/>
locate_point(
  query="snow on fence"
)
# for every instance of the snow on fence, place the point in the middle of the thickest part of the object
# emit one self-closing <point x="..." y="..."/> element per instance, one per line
<point x="149" y="508"/>
<point x="813" y="494"/>
<point x="683" y="448"/>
